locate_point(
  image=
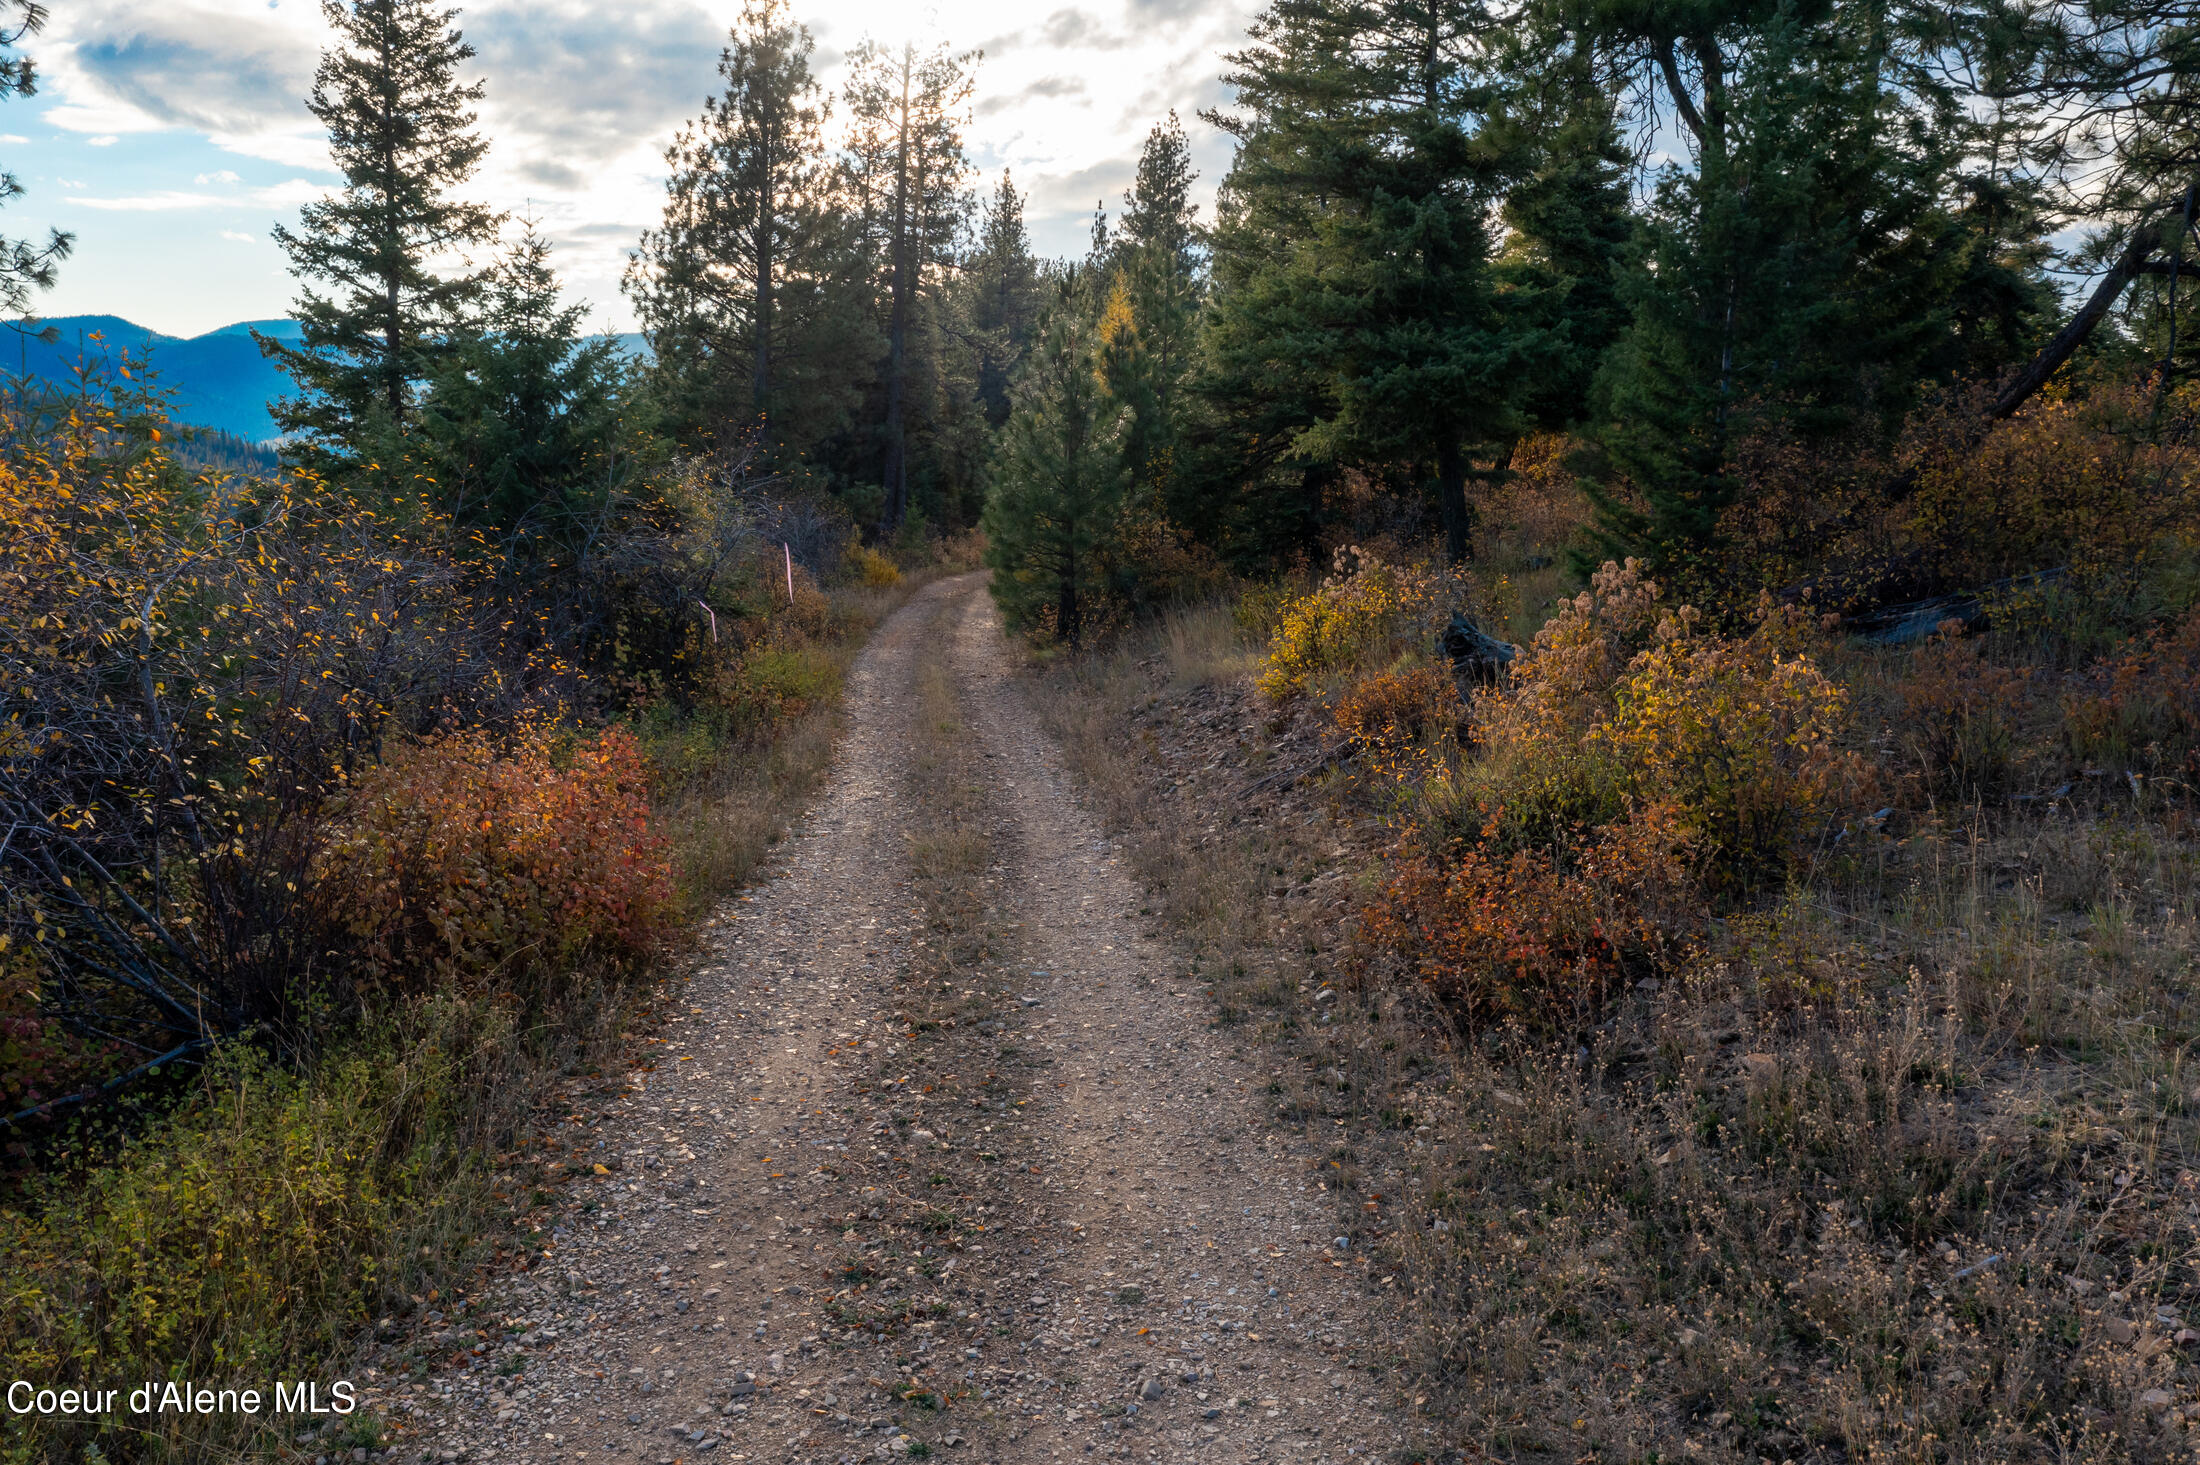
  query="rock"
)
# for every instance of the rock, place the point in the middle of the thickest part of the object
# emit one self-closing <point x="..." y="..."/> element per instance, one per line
<point x="2120" y="1331"/>
<point x="924" y="1135"/>
<point x="1477" y="658"/>
<point x="1152" y="1389"/>
<point x="2157" y="1399"/>
<point x="777" y="1363"/>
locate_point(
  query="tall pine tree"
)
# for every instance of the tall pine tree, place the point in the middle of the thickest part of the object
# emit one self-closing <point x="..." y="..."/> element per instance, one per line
<point x="1361" y="246"/>
<point x="751" y="288"/>
<point x="518" y="432"/>
<point x="391" y="245"/>
<point x="906" y="170"/>
<point x="1157" y="256"/>
<point x="1058" y="479"/>
<point x="1002" y="290"/>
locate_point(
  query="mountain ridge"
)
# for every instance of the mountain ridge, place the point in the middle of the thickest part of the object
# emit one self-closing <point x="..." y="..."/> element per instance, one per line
<point x="219" y="378"/>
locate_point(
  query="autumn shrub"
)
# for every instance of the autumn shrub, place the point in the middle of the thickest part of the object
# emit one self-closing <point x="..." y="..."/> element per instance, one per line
<point x="1365" y="606"/>
<point x="473" y="862"/>
<point x="2077" y="481"/>
<point x="1538" y="935"/>
<point x="1738" y="734"/>
<point x="1962" y="716"/>
<point x="2140" y="708"/>
<point x="872" y="569"/>
<point x="1635" y="766"/>
<point x="1403" y="721"/>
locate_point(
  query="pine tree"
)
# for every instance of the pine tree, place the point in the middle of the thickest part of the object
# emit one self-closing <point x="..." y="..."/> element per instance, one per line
<point x="1798" y="280"/>
<point x="401" y="131"/>
<point x="518" y="432"/>
<point x="24" y="267"/>
<point x="1002" y="289"/>
<point x="1155" y="251"/>
<point x="1568" y="231"/>
<point x="750" y="288"/>
<point x="1058" y="479"/>
<point x="906" y="170"/>
<point x="1362" y="272"/>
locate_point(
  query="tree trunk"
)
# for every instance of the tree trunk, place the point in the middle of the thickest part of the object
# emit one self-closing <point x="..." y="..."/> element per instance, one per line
<point x="1451" y="498"/>
<point x="897" y="326"/>
<point x="761" y="385"/>
<point x="2035" y="375"/>
<point x="1065" y="602"/>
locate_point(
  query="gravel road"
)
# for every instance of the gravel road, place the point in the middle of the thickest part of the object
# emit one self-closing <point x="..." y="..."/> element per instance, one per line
<point x="825" y="1227"/>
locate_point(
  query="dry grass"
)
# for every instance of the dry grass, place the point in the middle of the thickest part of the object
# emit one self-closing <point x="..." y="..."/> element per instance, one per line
<point x="1897" y="1164"/>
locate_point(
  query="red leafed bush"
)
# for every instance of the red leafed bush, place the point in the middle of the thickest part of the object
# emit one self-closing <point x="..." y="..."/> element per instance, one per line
<point x="480" y="861"/>
<point x="1538" y="935"/>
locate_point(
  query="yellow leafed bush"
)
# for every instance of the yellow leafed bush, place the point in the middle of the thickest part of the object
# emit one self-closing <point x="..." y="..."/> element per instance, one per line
<point x="1354" y="611"/>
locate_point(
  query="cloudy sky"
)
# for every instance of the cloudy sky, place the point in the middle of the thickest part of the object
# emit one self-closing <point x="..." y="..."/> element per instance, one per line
<point x="170" y="135"/>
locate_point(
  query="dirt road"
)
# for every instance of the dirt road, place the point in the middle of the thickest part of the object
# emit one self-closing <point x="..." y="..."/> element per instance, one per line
<point x="1036" y="1211"/>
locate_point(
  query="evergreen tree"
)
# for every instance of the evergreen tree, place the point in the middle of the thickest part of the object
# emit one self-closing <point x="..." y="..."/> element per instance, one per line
<point x="1363" y="199"/>
<point x="24" y="267"/>
<point x="1798" y="279"/>
<point x="1058" y="479"/>
<point x="906" y="172"/>
<point x="1568" y="230"/>
<point x="750" y="290"/>
<point x="401" y="131"/>
<point x="518" y="430"/>
<point x="1156" y="254"/>
<point x="1002" y="291"/>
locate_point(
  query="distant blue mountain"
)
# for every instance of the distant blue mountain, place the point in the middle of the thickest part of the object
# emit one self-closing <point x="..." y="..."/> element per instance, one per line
<point x="219" y="379"/>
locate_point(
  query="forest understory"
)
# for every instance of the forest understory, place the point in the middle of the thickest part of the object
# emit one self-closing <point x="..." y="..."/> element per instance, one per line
<point x="1891" y="1160"/>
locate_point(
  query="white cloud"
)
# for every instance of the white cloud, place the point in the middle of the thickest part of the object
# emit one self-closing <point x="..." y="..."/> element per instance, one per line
<point x="290" y="193"/>
<point x="239" y="238"/>
<point x="13" y="139"/>
<point x="583" y="97"/>
<point x="107" y="141"/>
<point x="166" y="201"/>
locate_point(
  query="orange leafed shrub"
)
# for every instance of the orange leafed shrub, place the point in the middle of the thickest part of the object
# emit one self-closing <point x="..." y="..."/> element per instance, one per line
<point x="1537" y="935"/>
<point x="1393" y="714"/>
<point x="463" y="859"/>
<point x="1634" y="765"/>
